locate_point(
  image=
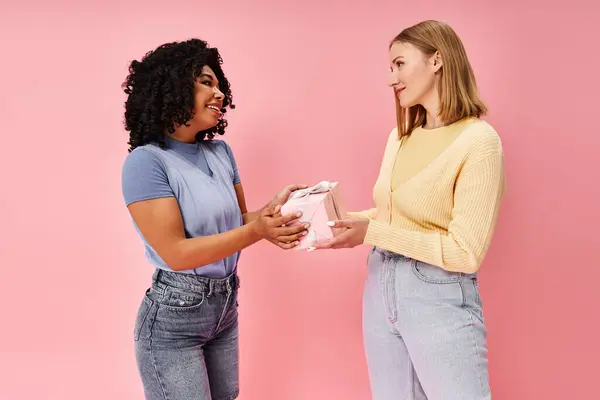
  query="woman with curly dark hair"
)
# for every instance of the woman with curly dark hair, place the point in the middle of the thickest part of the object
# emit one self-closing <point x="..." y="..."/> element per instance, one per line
<point x="183" y="191"/>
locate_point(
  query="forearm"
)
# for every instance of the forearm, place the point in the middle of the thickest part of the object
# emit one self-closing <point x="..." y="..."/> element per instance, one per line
<point x="251" y="216"/>
<point x="195" y="252"/>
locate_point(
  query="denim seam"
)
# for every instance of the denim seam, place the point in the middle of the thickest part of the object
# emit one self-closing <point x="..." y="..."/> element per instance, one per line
<point x="140" y="328"/>
<point x="476" y="348"/>
<point x="411" y="383"/>
<point x="464" y="297"/>
<point x="472" y="330"/>
<point x="160" y="383"/>
<point x="225" y="310"/>
<point x="464" y="305"/>
<point x="385" y="285"/>
<point x="392" y="294"/>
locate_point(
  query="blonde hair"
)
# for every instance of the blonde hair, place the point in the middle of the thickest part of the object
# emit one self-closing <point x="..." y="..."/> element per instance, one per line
<point x="459" y="97"/>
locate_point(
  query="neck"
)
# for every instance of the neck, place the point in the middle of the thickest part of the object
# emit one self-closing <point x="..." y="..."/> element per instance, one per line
<point x="432" y="108"/>
<point x="183" y="134"/>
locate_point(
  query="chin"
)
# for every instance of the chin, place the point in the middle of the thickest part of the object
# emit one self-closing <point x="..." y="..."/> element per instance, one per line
<point x="407" y="104"/>
<point x="207" y="123"/>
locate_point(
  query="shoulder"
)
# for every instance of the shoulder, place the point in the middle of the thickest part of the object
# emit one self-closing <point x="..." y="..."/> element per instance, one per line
<point x="482" y="139"/>
<point x="142" y="158"/>
<point x="143" y="163"/>
<point x="220" y="147"/>
<point x="392" y="138"/>
<point x="217" y="145"/>
<point x="144" y="175"/>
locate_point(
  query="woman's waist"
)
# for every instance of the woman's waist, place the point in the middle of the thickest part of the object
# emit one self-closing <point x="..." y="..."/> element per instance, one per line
<point x="195" y="283"/>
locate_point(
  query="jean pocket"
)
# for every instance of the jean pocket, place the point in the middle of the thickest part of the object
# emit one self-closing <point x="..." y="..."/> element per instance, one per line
<point x="142" y="316"/>
<point x="180" y="300"/>
<point x="477" y="294"/>
<point x="370" y="255"/>
<point x="432" y="274"/>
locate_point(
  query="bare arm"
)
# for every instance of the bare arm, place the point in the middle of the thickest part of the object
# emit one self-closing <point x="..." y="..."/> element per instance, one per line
<point x="248" y="216"/>
<point x="285" y="240"/>
<point x="279" y="199"/>
<point x="159" y="220"/>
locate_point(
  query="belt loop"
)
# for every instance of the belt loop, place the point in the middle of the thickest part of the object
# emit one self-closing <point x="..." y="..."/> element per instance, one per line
<point x="157" y="276"/>
<point x="210" y="287"/>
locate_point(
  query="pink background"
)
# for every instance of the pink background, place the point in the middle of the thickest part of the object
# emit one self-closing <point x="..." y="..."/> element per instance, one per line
<point x="310" y="85"/>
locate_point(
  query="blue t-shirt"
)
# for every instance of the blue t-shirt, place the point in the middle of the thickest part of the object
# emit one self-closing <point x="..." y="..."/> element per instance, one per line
<point x="201" y="176"/>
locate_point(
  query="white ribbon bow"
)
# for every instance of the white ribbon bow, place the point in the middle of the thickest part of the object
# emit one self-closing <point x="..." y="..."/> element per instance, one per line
<point x="320" y="187"/>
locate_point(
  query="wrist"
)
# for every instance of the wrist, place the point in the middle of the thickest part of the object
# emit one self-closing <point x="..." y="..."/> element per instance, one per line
<point x="254" y="230"/>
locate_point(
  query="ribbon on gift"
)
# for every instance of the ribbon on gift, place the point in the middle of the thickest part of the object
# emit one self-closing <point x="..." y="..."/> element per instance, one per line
<point x="321" y="187"/>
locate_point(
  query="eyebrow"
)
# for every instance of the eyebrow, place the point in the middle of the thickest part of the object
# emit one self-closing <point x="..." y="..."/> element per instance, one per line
<point x="206" y="76"/>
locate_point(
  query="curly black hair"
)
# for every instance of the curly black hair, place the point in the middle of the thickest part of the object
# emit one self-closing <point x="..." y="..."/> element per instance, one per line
<point x="160" y="91"/>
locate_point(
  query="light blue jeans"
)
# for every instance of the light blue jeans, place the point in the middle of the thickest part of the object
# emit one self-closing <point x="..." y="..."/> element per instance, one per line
<point x="424" y="332"/>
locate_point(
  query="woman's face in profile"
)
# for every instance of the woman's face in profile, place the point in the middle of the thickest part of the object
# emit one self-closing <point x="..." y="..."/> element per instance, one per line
<point x="413" y="74"/>
<point x="208" y="100"/>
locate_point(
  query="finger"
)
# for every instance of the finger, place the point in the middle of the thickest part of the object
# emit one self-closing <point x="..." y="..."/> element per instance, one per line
<point x="287" y="219"/>
<point x="344" y="223"/>
<point x="292" y="238"/>
<point x="271" y="210"/>
<point x="287" y="246"/>
<point x="292" y="229"/>
<point x="294" y="187"/>
<point x="327" y="244"/>
<point x="283" y="231"/>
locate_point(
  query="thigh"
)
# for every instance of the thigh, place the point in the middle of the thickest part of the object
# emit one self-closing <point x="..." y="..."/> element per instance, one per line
<point x="169" y="343"/>
<point x="172" y="374"/>
<point x="442" y="325"/>
<point x="391" y="372"/>
<point x="222" y="361"/>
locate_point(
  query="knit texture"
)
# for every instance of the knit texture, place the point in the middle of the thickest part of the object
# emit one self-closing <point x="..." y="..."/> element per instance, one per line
<point x="438" y="195"/>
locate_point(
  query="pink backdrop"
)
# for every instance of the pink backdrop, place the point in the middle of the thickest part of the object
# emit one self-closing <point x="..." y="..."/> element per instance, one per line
<point x="310" y="85"/>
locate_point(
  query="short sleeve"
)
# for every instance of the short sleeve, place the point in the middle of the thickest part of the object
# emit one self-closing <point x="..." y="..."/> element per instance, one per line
<point x="236" y="174"/>
<point x="143" y="177"/>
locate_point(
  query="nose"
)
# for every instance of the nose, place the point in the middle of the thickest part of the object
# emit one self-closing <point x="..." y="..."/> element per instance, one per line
<point x="218" y="94"/>
<point x="393" y="79"/>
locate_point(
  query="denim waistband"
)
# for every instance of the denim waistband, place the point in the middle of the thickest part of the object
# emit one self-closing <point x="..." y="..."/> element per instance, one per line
<point x="196" y="283"/>
<point x="387" y="255"/>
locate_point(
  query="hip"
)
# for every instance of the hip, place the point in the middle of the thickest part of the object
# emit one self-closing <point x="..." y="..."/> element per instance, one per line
<point x="412" y="281"/>
<point x="185" y="306"/>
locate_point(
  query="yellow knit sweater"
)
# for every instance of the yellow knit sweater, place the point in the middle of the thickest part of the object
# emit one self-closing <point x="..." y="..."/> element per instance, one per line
<point x="438" y="195"/>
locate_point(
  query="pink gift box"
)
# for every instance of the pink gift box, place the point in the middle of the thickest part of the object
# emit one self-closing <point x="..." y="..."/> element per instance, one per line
<point x="318" y="204"/>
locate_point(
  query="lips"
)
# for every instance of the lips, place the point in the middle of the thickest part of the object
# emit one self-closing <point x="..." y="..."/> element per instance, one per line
<point x="214" y="108"/>
<point x="398" y="90"/>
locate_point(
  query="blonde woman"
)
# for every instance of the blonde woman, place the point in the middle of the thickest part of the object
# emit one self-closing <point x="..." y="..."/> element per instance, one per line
<point x="436" y="202"/>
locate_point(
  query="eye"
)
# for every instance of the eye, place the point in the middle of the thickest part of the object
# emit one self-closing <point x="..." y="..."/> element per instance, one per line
<point x="207" y="83"/>
<point x="399" y="64"/>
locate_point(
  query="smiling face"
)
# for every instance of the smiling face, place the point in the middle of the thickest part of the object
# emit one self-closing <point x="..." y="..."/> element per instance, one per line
<point x="414" y="74"/>
<point x="208" y="107"/>
<point x="208" y="101"/>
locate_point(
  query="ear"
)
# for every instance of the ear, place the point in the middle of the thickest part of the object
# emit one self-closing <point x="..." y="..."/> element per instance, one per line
<point x="436" y="61"/>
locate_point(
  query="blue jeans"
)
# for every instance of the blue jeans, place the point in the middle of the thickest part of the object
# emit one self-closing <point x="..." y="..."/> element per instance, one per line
<point x="186" y="338"/>
<point x="424" y="332"/>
